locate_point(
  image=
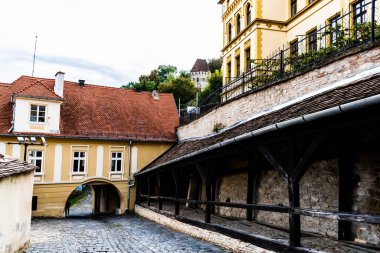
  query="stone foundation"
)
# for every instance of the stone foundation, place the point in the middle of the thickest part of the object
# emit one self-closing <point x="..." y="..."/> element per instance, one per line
<point x="205" y="235"/>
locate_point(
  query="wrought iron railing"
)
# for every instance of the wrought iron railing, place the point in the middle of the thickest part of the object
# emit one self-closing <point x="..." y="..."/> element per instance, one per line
<point x="358" y="27"/>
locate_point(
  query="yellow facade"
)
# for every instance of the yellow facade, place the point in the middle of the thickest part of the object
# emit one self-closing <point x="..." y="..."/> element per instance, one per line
<point x="57" y="180"/>
<point x="270" y="27"/>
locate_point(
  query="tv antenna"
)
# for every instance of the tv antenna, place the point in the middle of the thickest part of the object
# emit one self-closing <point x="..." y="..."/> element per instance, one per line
<point x="34" y="55"/>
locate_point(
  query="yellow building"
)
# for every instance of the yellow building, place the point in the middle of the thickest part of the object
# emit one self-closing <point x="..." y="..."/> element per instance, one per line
<point x="254" y="29"/>
<point x="80" y="134"/>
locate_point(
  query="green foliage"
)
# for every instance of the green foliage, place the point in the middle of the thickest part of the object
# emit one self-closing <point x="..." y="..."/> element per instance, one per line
<point x="269" y="70"/>
<point x="184" y="73"/>
<point x="215" y="64"/>
<point x="181" y="87"/>
<point x="215" y="82"/>
<point x="166" y="73"/>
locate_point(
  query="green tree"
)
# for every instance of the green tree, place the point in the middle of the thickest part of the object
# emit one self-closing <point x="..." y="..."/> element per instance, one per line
<point x="215" y="83"/>
<point x="166" y="73"/>
<point x="215" y="64"/>
<point x="181" y="88"/>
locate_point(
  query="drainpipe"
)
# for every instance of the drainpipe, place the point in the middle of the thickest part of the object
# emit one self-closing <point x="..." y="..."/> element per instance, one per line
<point x="129" y="175"/>
<point x="13" y="116"/>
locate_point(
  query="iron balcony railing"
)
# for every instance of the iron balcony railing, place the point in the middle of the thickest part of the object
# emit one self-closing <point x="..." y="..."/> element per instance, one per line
<point x="358" y="27"/>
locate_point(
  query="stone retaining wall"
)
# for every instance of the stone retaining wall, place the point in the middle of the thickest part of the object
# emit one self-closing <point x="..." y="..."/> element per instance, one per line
<point x="203" y="234"/>
<point x="247" y="106"/>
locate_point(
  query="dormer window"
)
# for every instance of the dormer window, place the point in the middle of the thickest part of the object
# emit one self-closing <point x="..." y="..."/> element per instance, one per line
<point x="38" y="113"/>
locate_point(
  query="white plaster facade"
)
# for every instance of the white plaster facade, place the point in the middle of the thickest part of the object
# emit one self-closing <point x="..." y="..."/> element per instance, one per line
<point x="15" y="211"/>
<point x="22" y="111"/>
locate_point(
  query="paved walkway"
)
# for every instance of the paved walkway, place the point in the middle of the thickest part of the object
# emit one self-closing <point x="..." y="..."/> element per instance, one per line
<point x="127" y="233"/>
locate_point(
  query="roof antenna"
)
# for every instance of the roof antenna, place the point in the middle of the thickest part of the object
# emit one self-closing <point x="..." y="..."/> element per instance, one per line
<point x="34" y="55"/>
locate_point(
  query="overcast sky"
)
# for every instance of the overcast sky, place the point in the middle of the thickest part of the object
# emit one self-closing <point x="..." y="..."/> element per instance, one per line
<point x="106" y="42"/>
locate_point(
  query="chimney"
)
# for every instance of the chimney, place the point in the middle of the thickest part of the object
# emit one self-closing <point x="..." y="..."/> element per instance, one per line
<point x="81" y="82"/>
<point x="155" y="95"/>
<point x="58" y="86"/>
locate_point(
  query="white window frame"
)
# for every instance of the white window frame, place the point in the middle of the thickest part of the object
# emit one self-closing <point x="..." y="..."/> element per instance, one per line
<point x="33" y="160"/>
<point x="121" y="159"/>
<point x="38" y="112"/>
<point x="79" y="158"/>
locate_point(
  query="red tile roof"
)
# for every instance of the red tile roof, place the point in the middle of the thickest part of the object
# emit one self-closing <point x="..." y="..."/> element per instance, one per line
<point x="200" y="65"/>
<point x="38" y="90"/>
<point x="99" y="112"/>
<point x="11" y="166"/>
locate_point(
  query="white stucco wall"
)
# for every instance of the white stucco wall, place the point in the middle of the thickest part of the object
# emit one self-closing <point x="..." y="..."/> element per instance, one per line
<point x="202" y="77"/>
<point x="15" y="211"/>
<point x="22" y="116"/>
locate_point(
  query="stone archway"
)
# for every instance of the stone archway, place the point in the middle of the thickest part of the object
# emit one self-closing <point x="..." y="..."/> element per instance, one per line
<point x="104" y="197"/>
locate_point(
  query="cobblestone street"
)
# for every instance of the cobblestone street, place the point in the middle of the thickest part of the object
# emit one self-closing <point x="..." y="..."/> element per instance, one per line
<point x="126" y="233"/>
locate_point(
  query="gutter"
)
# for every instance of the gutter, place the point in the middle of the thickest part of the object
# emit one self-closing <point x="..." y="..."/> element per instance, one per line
<point x="334" y="111"/>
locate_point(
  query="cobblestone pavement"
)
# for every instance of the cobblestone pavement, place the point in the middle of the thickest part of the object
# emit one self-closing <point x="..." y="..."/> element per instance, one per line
<point x="84" y="207"/>
<point x="127" y="233"/>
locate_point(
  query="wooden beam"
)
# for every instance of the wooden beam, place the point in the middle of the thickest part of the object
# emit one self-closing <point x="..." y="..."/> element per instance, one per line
<point x="269" y="208"/>
<point x="275" y="164"/>
<point x="305" y="161"/>
<point x="176" y="173"/>
<point x="352" y="217"/>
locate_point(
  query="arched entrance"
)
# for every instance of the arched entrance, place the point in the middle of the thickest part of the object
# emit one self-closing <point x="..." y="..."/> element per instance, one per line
<point x="91" y="198"/>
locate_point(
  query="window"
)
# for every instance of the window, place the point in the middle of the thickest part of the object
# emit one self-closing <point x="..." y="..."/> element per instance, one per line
<point x="238" y="25"/>
<point x="247" y="59"/>
<point x="229" y="32"/>
<point x="248" y="10"/>
<point x="79" y="162"/>
<point x="237" y="60"/>
<point x="334" y="29"/>
<point x="35" y="158"/>
<point x="293" y="7"/>
<point x="38" y="113"/>
<point x="294" y="48"/>
<point x="228" y="71"/>
<point x="34" y="203"/>
<point x="312" y="40"/>
<point x="359" y="16"/>
<point x="116" y="161"/>
<point x="359" y="12"/>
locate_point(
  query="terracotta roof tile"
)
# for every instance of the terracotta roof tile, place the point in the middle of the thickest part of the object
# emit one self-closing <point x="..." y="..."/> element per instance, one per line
<point x="200" y="65"/>
<point x="38" y="90"/>
<point x="95" y="111"/>
<point x="11" y="166"/>
<point x="321" y="102"/>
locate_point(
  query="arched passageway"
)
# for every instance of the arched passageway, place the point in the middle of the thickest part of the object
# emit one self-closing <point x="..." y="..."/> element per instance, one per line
<point x="93" y="198"/>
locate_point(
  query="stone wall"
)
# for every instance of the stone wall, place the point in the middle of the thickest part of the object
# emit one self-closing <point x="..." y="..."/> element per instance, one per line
<point x="233" y="188"/>
<point x="319" y="190"/>
<point x="266" y="99"/>
<point x="272" y="190"/>
<point x="203" y="234"/>
<point x="366" y="196"/>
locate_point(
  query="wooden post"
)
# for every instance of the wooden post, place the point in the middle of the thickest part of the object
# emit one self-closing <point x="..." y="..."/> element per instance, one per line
<point x="250" y="192"/>
<point x="207" y="173"/>
<point x="176" y="177"/>
<point x="159" y="192"/>
<point x="138" y="190"/>
<point x="208" y="206"/>
<point x="148" y="201"/>
<point x="345" y="194"/>
<point x="294" y="219"/>
<point x="213" y="194"/>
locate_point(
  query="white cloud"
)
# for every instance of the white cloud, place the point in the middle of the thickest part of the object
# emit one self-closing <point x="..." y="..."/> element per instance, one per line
<point x="106" y="42"/>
